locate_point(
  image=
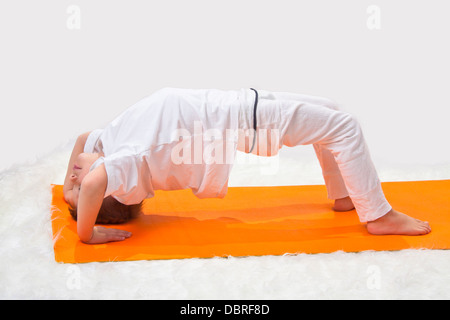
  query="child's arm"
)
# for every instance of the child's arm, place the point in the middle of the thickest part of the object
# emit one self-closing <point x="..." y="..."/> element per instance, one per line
<point x="90" y="200"/>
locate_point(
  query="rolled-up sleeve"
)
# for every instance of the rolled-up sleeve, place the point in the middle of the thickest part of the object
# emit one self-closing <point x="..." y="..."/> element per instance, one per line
<point x="91" y="145"/>
<point x="125" y="182"/>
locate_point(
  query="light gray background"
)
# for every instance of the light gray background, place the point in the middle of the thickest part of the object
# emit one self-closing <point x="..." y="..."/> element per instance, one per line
<point x="56" y="83"/>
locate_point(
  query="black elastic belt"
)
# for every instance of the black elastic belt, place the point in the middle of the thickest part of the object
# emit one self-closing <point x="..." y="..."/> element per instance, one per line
<point x="254" y="119"/>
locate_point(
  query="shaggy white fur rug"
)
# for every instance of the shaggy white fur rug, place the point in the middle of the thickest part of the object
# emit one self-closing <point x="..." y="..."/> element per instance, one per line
<point x="28" y="269"/>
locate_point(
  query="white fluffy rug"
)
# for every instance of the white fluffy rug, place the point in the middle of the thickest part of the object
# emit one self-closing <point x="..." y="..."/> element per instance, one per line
<point x="28" y="269"/>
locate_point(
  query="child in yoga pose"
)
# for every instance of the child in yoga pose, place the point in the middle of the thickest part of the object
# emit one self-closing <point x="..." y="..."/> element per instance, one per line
<point x="188" y="138"/>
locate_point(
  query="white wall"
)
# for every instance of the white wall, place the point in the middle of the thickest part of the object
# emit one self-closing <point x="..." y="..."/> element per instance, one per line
<point x="56" y="82"/>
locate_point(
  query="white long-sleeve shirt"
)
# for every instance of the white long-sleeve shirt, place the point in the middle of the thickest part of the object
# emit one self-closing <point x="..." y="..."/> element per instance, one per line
<point x="173" y="139"/>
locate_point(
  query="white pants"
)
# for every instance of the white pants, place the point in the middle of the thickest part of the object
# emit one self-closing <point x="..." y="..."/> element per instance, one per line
<point x="293" y="119"/>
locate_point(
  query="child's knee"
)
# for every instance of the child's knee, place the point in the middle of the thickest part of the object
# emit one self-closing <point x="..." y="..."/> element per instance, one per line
<point x="347" y="126"/>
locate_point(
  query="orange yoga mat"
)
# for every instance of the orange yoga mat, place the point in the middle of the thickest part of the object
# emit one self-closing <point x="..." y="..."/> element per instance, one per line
<point x="255" y="221"/>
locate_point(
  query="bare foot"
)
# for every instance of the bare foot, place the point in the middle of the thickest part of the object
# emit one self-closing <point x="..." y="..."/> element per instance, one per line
<point x="344" y="204"/>
<point x="398" y="223"/>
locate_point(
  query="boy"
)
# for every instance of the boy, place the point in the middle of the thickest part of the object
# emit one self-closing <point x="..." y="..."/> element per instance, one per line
<point x="186" y="138"/>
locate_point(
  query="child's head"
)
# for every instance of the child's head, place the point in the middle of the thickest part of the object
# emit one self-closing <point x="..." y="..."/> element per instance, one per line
<point x="112" y="212"/>
<point x="80" y="169"/>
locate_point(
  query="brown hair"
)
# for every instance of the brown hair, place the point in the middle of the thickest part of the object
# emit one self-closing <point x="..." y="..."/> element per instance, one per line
<point x="113" y="212"/>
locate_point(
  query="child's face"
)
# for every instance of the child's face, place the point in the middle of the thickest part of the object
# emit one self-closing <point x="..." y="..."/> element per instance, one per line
<point x="80" y="169"/>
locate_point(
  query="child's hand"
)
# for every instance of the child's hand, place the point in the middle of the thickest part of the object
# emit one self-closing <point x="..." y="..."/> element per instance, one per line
<point x="103" y="235"/>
